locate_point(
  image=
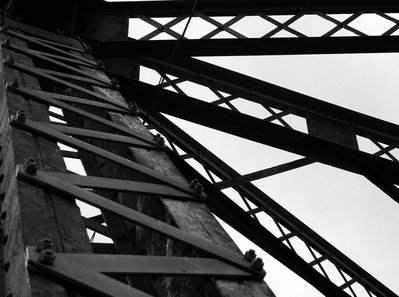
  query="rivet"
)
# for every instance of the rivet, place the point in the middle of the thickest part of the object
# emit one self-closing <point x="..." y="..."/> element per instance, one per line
<point x="47" y="257"/>
<point x="250" y="255"/>
<point x="257" y="264"/>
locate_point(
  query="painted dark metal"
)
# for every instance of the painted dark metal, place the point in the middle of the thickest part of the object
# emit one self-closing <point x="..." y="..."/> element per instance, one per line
<point x="245" y="47"/>
<point x="226" y="8"/>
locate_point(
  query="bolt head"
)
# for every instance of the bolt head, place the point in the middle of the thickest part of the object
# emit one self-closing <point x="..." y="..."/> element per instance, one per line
<point x="44" y="244"/>
<point x="47" y="257"/>
<point x="250" y="255"/>
<point x="257" y="264"/>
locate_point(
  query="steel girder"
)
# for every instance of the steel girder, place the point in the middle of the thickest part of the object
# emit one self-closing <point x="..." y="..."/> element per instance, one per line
<point x="246" y="47"/>
<point x="225" y="7"/>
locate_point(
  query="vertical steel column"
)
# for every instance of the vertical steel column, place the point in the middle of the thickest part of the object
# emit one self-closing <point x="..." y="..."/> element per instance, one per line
<point x="192" y="217"/>
<point x="29" y="213"/>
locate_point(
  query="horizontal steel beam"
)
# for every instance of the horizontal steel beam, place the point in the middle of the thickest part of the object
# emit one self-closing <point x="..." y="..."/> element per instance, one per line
<point x="82" y="277"/>
<point x="226" y="8"/>
<point x="244" y="47"/>
<point x="48" y="181"/>
<point x="156" y="265"/>
<point x="112" y="184"/>
<point x="254" y="129"/>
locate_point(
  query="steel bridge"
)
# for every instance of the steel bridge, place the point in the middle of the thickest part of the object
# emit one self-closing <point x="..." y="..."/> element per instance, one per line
<point x="71" y="76"/>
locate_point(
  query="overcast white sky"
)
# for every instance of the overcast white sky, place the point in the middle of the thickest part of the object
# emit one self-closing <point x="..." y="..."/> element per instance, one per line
<point x="344" y="208"/>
